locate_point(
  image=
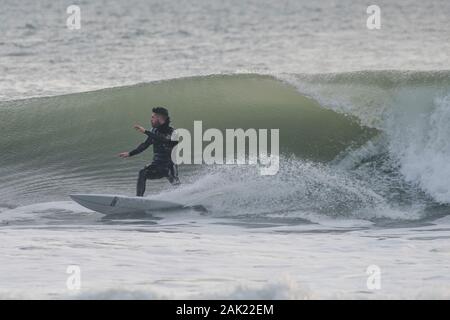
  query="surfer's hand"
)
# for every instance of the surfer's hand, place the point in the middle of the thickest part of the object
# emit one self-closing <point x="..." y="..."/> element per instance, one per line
<point x="124" y="154"/>
<point x="139" y="128"/>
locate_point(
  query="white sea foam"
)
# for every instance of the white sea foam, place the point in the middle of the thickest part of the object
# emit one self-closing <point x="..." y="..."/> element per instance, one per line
<point x="412" y="116"/>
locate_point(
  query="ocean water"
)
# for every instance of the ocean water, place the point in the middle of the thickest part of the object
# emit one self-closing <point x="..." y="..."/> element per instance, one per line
<point x="364" y="179"/>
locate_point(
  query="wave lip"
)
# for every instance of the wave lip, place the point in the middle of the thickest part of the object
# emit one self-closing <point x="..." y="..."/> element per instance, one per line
<point x="410" y="108"/>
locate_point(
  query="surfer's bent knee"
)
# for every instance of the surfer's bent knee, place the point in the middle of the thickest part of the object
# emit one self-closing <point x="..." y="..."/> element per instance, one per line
<point x="143" y="172"/>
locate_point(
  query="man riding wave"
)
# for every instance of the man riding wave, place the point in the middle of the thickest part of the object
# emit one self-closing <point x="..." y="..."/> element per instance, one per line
<point x="160" y="137"/>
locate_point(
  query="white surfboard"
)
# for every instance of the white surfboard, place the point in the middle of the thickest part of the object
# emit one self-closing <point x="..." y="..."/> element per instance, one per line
<point x="116" y="204"/>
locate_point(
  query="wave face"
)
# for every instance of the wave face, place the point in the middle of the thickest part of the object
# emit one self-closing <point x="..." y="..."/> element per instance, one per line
<point x="367" y="145"/>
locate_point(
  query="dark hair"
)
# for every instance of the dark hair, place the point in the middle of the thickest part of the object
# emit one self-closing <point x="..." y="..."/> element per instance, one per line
<point x="161" y="111"/>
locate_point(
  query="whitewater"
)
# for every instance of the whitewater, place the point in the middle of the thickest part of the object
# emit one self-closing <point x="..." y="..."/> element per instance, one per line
<point x="364" y="177"/>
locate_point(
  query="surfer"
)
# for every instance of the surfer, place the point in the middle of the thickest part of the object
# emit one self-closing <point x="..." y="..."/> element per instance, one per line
<point x="162" y="164"/>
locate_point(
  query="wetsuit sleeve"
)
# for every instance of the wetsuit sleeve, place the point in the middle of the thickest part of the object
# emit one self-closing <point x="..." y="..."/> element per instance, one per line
<point x="160" y="137"/>
<point x="144" y="145"/>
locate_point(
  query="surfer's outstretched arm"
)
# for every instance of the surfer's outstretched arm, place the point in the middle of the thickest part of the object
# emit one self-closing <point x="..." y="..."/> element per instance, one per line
<point x="144" y="145"/>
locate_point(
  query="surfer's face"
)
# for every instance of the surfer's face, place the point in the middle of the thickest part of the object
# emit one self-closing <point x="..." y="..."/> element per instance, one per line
<point x="157" y="120"/>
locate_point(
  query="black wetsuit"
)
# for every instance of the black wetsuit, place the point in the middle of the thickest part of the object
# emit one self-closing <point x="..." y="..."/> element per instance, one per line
<point x="162" y="164"/>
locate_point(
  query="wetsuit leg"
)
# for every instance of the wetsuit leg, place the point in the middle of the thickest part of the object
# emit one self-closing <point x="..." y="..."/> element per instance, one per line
<point x="149" y="172"/>
<point x="173" y="174"/>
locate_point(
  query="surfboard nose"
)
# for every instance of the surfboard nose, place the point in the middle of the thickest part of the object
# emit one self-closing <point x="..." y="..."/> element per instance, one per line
<point x="81" y="197"/>
<point x="97" y="202"/>
<point x="91" y="198"/>
<point x="74" y="196"/>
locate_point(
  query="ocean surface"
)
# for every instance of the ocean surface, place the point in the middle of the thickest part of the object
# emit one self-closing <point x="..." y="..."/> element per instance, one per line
<point x="364" y="178"/>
